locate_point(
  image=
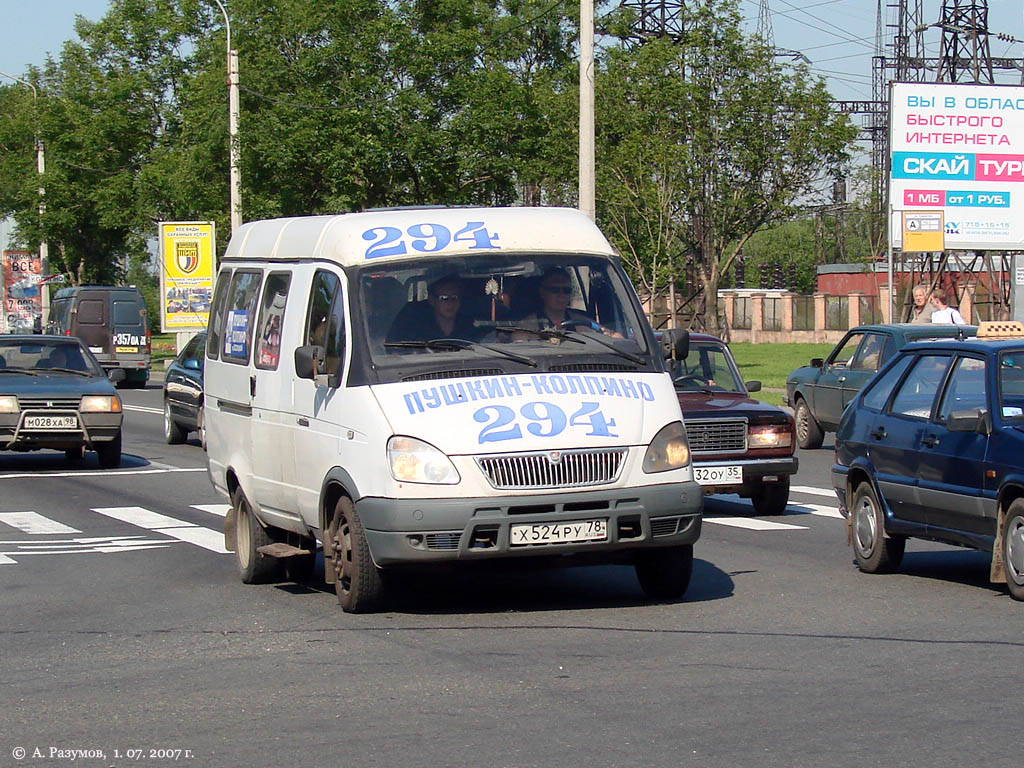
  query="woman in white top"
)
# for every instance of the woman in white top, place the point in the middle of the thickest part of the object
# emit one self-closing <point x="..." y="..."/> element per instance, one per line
<point x="942" y="313"/>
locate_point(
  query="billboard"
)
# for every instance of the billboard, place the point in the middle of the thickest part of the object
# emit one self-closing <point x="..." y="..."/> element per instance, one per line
<point x="187" y="251"/>
<point x="958" y="149"/>
<point x="23" y="293"/>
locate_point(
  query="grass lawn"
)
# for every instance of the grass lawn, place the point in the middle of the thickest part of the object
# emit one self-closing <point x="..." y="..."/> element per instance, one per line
<point x="771" y="364"/>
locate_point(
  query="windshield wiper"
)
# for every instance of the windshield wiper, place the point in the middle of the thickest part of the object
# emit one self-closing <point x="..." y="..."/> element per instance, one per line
<point x="599" y="338"/>
<point x="67" y="370"/>
<point x="435" y="344"/>
<point x="544" y="333"/>
<point x="28" y="371"/>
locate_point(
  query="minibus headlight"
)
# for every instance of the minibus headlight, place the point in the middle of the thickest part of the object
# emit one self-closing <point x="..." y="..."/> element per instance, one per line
<point x="9" y="404"/>
<point x="668" y="450"/>
<point x="414" y="461"/>
<point x="770" y="436"/>
<point x="100" y="404"/>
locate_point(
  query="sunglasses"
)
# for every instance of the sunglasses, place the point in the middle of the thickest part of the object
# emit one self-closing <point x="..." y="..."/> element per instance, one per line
<point x="447" y="297"/>
<point x="558" y="289"/>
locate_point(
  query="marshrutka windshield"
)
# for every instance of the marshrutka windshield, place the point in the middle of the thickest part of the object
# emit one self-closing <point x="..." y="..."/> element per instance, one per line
<point x="520" y="311"/>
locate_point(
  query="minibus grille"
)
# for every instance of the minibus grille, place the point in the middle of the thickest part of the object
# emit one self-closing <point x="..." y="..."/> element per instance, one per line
<point x="716" y="435"/>
<point x="552" y="469"/>
<point x="455" y="374"/>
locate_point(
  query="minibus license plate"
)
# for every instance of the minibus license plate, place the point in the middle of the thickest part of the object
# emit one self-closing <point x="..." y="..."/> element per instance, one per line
<point x="559" y="533"/>
<point x="51" y="422"/>
<point x="718" y="475"/>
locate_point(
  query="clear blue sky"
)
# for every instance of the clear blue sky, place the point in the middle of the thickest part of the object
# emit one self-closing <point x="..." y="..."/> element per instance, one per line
<point x="836" y="35"/>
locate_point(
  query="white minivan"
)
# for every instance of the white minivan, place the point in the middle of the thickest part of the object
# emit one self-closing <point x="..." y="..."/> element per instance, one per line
<point x="420" y="386"/>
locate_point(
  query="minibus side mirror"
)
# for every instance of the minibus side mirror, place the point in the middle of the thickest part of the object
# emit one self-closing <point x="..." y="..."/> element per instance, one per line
<point x="675" y="344"/>
<point x="309" y="360"/>
<point x="310" y="363"/>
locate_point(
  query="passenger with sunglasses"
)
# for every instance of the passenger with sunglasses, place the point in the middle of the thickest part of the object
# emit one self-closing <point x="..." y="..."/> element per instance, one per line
<point x="439" y="317"/>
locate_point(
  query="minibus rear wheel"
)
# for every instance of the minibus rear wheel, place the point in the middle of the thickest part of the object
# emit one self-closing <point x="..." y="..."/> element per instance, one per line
<point x="357" y="582"/>
<point x="253" y="567"/>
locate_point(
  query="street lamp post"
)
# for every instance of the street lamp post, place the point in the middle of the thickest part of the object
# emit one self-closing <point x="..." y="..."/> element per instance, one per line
<point x="587" y="182"/>
<point x="44" y="253"/>
<point x="236" y="177"/>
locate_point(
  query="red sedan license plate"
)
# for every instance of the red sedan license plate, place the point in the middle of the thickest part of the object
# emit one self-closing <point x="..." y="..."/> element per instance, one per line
<point x="558" y="533"/>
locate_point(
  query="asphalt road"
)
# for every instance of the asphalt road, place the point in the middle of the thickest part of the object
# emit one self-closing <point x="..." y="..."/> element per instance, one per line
<point x="129" y="634"/>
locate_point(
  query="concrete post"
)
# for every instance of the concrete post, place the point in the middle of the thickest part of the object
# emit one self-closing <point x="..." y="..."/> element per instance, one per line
<point x="853" y="308"/>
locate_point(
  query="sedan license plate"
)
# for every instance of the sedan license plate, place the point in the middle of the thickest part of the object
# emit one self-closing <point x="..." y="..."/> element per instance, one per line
<point x="559" y="533"/>
<point x="732" y="475"/>
<point x="51" y="422"/>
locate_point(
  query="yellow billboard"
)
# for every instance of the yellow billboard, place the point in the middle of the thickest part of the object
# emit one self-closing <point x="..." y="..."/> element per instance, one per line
<point x="187" y="255"/>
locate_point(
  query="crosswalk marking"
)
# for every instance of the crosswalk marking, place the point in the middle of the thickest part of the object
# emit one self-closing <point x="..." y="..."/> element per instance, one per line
<point x="34" y="523"/>
<point x="810" y="491"/>
<point x="169" y="526"/>
<point x="213" y="509"/>
<point x="754" y="524"/>
<point x="815" y="509"/>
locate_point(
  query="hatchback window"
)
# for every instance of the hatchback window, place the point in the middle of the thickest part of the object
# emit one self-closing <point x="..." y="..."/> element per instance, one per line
<point x="1011" y="385"/>
<point x="878" y="394"/>
<point x="966" y="388"/>
<point x="845" y="354"/>
<point x="917" y="393"/>
<point x="869" y="355"/>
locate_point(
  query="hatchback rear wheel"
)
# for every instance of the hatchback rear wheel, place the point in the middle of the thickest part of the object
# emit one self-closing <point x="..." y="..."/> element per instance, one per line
<point x="808" y="432"/>
<point x="1013" y="549"/>
<point x="872" y="550"/>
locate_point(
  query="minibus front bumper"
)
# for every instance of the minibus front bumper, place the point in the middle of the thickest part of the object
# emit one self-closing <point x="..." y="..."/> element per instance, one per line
<point x="408" y="531"/>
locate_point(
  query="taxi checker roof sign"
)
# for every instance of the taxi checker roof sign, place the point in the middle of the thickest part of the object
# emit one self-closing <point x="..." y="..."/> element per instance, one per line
<point x="958" y="149"/>
<point x="356" y="238"/>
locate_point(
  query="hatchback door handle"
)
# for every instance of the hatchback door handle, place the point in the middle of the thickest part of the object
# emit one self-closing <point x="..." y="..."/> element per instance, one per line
<point x="879" y="434"/>
<point x="930" y="441"/>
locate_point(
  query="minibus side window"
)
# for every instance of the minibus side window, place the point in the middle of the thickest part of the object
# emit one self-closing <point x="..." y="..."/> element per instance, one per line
<point x="275" y="298"/>
<point x="326" y="324"/>
<point x="216" y="326"/>
<point x="241" y="316"/>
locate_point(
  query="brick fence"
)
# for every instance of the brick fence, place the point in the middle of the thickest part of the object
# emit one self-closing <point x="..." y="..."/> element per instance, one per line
<point x="781" y="316"/>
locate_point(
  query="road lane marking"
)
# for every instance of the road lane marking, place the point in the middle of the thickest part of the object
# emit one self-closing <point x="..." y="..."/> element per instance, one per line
<point x="79" y="546"/>
<point x="142" y="409"/>
<point x="220" y="510"/>
<point x="100" y="472"/>
<point x="754" y="524"/>
<point x="169" y="526"/>
<point x="34" y="523"/>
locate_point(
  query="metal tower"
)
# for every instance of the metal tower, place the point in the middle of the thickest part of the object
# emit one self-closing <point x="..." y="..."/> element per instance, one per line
<point x="964" y="54"/>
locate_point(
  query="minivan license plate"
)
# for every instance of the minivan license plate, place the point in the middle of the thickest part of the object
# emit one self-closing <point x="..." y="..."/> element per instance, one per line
<point x="559" y="533"/>
<point x="51" y="422"/>
<point x="731" y="475"/>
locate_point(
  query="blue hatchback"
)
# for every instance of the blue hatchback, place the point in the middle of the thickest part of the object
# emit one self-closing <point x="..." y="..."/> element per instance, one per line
<point x="933" y="448"/>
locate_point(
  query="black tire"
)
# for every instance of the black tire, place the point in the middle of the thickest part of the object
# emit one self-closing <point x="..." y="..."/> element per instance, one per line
<point x="173" y="434"/>
<point x="1013" y="549"/>
<point x="771" y="498"/>
<point x="75" y="454"/>
<point x="253" y="567"/>
<point x="808" y="432"/>
<point x="664" y="574"/>
<point x="109" y="452"/>
<point x="872" y="550"/>
<point x="358" y="581"/>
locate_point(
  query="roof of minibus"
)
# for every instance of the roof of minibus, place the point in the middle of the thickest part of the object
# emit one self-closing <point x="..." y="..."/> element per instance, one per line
<point x="402" y="233"/>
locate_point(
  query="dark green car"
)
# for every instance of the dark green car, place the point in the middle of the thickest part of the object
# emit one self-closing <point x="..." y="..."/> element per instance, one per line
<point x="819" y="392"/>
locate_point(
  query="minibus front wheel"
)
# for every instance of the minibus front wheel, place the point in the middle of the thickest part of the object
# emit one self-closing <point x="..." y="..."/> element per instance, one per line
<point x="357" y="582"/>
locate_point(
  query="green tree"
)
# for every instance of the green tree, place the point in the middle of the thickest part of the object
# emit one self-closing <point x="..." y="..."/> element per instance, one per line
<point x="704" y="141"/>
